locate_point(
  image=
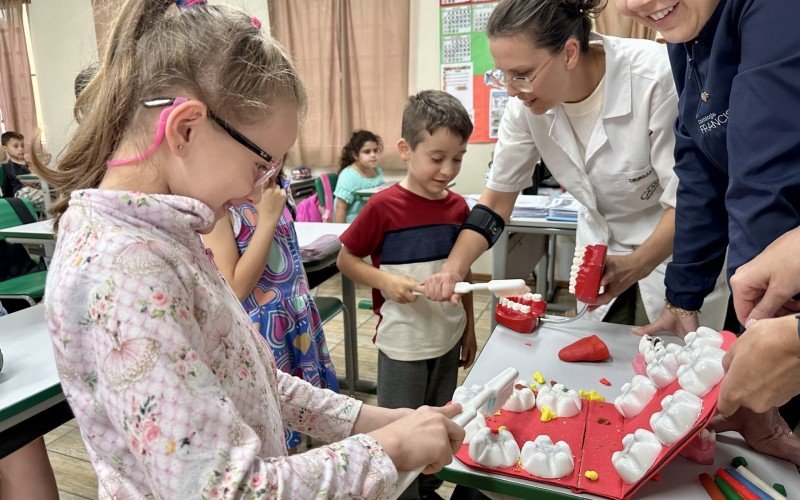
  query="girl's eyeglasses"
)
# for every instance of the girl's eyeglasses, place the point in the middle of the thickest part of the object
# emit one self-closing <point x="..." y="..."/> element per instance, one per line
<point x="497" y="79"/>
<point x="265" y="171"/>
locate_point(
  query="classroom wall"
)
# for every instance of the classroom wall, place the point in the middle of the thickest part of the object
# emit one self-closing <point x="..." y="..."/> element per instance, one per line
<point x="424" y="74"/>
<point x="63" y="40"/>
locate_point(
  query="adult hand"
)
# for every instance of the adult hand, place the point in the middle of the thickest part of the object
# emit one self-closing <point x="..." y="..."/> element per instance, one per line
<point x="440" y="287"/>
<point x="764" y="287"/>
<point x="762" y="368"/>
<point x="668" y="321"/>
<point x="426" y="438"/>
<point x="765" y="432"/>
<point x="401" y="288"/>
<point x="620" y="273"/>
<point x="273" y="199"/>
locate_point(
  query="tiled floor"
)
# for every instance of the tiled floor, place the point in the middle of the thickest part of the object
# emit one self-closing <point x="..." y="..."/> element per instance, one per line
<point x="76" y="478"/>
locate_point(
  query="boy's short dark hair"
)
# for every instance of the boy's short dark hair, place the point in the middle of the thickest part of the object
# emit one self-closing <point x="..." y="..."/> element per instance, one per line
<point x="431" y="110"/>
<point x="10" y="135"/>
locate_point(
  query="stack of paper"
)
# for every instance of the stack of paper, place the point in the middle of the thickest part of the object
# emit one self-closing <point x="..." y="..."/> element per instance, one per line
<point x="530" y="206"/>
<point x="563" y="208"/>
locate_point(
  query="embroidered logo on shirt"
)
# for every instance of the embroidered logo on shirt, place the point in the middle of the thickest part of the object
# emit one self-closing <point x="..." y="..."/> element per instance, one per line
<point x="712" y="120"/>
<point x="637" y="179"/>
<point x="648" y="193"/>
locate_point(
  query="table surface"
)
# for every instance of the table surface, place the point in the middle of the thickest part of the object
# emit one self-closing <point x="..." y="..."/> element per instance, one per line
<point x="35" y="230"/>
<point x="29" y="374"/>
<point x="537" y="352"/>
<point x="517" y="222"/>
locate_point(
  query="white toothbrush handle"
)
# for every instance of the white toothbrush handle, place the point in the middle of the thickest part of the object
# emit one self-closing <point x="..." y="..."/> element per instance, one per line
<point x="462" y="287"/>
<point x="404" y="479"/>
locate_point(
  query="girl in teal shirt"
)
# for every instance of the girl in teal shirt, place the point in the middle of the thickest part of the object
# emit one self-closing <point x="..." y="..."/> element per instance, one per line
<point x="358" y="169"/>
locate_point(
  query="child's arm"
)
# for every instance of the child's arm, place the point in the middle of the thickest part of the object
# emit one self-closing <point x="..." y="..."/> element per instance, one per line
<point x="398" y="288"/>
<point x="469" y="346"/>
<point x="340" y="211"/>
<point x="242" y="272"/>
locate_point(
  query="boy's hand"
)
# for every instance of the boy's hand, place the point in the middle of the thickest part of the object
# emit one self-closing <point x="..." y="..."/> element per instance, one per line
<point x="400" y="288"/>
<point x="469" y="348"/>
<point x="273" y="199"/>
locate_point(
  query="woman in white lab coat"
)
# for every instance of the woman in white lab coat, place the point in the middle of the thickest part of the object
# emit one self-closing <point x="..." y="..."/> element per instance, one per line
<point x="599" y="111"/>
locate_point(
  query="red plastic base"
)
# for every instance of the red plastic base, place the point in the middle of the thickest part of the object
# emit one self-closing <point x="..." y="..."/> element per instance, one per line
<point x="590" y="272"/>
<point x="517" y="321"/>
<point x="593" y="441"/>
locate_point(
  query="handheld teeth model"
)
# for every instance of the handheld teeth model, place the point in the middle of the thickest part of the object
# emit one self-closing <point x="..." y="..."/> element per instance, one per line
<point x="679" y="413"/>
<point x="703" y="371"/>
<point x="542" y="458"/>
<point x="639" y="453"/>
<point x="586" y="272"/>
<point x="636" y="394"/>
<point x="520" y="313"/>
<point x="564" y="402"/>
<point x="522" y="399"/>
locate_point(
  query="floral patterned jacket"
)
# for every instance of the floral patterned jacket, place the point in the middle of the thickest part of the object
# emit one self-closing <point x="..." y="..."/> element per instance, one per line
<point x="175" y="393"/>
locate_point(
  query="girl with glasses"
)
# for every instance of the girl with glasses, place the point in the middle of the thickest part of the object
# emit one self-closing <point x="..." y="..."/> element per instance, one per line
<point x="599" y="111"/>
<point x="175" y="392"/>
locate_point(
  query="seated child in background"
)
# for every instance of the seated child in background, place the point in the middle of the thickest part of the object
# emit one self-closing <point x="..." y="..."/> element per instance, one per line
<point x="13" y="144"/>
<point x="256" y="250"/>
<point x="358" y="169"/>
<point x="408" y="230"/>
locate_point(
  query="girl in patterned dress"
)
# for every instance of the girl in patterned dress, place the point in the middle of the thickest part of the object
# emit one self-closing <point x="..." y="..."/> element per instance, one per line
<point x="277" y="299"/>
<point x="175" y="393"/>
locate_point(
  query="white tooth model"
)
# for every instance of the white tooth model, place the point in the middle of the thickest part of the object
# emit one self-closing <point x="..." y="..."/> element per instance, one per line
<point x="542" y="458"/>
<point x="564" y="403"/>
<point x="703" y="371"/>
<point x="522" y="399"/>
<point x="679" y="413"/>
<point x="639" y="453"/>
<point x="663" y="368"/>
<point x="636" y="394"/>
<point x="693" y="341"/>
<point x="474" y="425"/>
<point x="463" y="394"/>
<point x="494" y="450"/>
<point x="648" y="343"/>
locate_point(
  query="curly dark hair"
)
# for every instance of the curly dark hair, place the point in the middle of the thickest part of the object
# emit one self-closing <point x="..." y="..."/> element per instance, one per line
<point x="354" y="145"/>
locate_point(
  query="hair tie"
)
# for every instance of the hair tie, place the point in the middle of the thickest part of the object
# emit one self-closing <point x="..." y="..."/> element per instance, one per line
<point x="185" y="4"/>
<point x="255" y="22"/>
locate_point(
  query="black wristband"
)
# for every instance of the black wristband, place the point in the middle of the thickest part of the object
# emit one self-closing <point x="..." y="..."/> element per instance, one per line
<point x="486" y="222"/>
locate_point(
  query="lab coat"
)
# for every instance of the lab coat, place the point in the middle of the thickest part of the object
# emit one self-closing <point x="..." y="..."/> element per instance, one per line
<point x="625" y="180"/>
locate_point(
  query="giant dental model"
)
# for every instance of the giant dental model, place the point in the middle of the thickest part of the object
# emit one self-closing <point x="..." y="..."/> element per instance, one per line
<point x="522" y="399"/>
<point x="565" y="403"/>
<point x="463" y="394"/>
<point x="639" y="452"/>
<point x="542" y="458"/>
<point x="703" y="371"/>
<point x="636" y="394"/>
<point x="586" y="272"/>
<point x="494" y="450"/>
<point x="662" y="367"/>
<point x="679" y="413"/>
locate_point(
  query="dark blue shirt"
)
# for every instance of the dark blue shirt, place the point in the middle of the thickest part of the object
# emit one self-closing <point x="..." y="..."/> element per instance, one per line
<point x="737" y="149"/>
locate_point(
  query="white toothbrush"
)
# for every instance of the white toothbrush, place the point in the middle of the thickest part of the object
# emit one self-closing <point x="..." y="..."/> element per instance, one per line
<point x="488" y="401"/>
<point x="500" y="288"/>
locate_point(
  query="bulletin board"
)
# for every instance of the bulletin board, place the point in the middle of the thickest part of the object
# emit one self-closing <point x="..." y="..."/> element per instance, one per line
<point x="465" y="58"/>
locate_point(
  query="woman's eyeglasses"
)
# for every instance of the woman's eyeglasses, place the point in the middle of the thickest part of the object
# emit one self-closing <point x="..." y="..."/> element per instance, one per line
<point x="497" y="79"/>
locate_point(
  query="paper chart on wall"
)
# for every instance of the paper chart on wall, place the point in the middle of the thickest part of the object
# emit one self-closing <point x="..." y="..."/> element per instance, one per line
<point x="497" y="104"/>
<point x="480" y="16"/>
<point x="457" y="81"/>
<point x="456" y="19"/>
<point x="456" y="49"/>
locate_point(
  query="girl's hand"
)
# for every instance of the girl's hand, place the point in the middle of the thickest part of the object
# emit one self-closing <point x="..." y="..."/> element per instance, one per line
<point x="427" y="437"/>
<point x="668" y="321"/>
<point x="400" y="288"/>
<point x="469" y="348"/>
<point x="273" y="199"/>
<point x="620" y="273"/>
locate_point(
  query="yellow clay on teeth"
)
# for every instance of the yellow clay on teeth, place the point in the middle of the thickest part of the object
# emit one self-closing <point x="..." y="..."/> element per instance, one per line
<point x="537" y="376"/>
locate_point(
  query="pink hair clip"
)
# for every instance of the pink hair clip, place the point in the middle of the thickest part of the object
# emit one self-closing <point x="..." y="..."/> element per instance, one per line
<point x="255" y="22"/>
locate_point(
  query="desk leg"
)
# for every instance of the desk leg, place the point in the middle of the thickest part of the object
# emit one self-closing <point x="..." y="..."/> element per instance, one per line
<point x="352" y="382"/>
<point x="551" y="268"/>
<point x="499" y="259"/>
